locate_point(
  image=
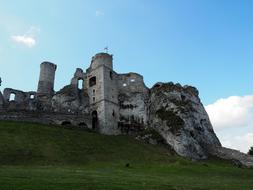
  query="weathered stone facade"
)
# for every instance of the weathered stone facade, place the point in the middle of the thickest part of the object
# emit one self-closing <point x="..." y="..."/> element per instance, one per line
<point x="113" y="104"/>
<point x="106" y="101"/>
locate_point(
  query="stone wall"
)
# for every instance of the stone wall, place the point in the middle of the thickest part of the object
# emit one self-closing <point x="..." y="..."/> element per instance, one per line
<point x="22" y="100"/>
<point x="133" y="100"/>
<point x="47" y="118"/>
<point x="78" y="75"/>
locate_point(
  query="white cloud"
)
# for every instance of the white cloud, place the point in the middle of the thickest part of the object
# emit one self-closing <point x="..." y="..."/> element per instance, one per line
<point x="99" y="13"/>
<point x="232" y="119"/>
<point x="238" y="142"/>
<point x="28" y="41"/>
<point x="234" y="111"/>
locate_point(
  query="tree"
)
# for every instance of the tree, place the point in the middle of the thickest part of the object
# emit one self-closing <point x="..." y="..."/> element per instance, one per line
<point x="250" y="151"/>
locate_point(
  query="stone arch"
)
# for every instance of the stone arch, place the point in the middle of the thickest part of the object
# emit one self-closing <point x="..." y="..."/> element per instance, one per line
<point x="66" y="123"/>
<point x="83" y="124"/>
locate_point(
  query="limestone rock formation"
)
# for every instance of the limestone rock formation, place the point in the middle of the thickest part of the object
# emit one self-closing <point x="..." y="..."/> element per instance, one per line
<point x="71" y="100"/>
<point x="238" y="158"/>
<point x="177" y="113"/>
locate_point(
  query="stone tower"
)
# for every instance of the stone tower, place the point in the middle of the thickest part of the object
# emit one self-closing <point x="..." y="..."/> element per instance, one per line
<point x="103" y="93"/>
<point x="45" y="89"/>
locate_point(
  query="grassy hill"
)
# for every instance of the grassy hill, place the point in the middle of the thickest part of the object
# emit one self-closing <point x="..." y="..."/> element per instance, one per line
<point x="41" y="157"/>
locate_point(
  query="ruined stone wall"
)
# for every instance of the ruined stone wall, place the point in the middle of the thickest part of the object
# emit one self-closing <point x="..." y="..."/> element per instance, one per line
<point x="70" y="99"/>
<point x="94" y="83"/>
<point x="111" y="101"/>
<point x="47" y="118"/>
<point x="22" y="100"/>
<point x="133" y="101"/>
<point x="79" y="75"/>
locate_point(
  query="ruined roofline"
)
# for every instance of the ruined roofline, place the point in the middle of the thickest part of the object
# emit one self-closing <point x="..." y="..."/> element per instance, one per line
<point x="131" y="74"/>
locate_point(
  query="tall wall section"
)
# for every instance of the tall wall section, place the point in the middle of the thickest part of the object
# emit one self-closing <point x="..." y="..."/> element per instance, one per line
<point x="102" y="90"/>
<point x="133" y="102"/>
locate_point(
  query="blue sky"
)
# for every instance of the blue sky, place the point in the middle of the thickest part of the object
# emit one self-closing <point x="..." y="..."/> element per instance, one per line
<point x="204" y="43"/>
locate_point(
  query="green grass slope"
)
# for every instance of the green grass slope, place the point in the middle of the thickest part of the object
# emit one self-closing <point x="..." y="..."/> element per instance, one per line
<point x="34" y="156"/>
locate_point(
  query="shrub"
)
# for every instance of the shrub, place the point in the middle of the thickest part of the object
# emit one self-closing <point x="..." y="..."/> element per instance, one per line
<point x="250" y="151"/>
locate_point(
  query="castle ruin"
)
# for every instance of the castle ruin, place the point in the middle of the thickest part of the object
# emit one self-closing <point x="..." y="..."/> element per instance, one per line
<point x="108" y="102"/>
<point x="112" y="104"/>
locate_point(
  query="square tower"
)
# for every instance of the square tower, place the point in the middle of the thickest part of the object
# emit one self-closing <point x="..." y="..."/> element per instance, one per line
<point x="103" y="94"/>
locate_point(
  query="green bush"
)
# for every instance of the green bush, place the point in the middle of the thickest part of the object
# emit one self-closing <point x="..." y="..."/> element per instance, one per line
<point x="250" y="151"/>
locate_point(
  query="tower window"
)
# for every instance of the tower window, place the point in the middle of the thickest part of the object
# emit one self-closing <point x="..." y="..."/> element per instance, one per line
<point x="92" y="81"/>
<point x="111" y="76"/>
<point x="94" y="99"/>
<point x="113" y="113"/>
<point x="94" y="91"/>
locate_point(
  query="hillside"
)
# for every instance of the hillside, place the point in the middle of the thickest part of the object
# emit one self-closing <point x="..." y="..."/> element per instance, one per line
<point x="34" y="156"/>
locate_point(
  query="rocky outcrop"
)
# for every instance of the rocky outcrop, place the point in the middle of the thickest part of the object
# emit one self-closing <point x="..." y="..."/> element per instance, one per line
<point x="177" y="113"/>
<point x="70" y="100"/>
<point x="238" y="158"/>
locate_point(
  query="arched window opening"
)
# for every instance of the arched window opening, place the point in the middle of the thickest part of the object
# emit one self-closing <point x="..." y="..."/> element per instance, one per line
<point x="80" y="84"/>
<point x="92" y="81"/>
<point x="66" y="123"/>
<point x="113" y="113"/>
<point x="94" y="91"/>
<point x="82" y="124"/>
<point x="12" y="97"/>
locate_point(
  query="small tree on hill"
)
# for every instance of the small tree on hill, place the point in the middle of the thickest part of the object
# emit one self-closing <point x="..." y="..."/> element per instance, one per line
<point x="250" y="151"/>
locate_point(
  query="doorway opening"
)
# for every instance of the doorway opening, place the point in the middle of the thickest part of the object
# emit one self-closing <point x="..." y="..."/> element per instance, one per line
<point x="94" y="115"/>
